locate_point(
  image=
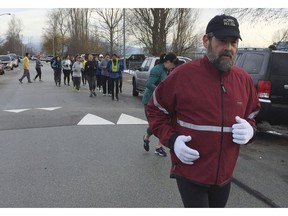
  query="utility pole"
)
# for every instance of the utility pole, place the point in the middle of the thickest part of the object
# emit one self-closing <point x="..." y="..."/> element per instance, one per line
<point x="22" y="47"/>
<point x="53" y="46"/>
<point x="53" y="42"/>
<point x="124" y="43"/>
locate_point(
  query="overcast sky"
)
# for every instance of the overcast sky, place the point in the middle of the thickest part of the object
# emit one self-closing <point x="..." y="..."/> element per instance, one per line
<point x="33" y="21"/>
<point x="33" y="16"/>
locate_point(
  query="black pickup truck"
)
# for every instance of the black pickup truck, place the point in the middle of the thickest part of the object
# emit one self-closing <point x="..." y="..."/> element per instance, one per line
<point x="269" y="70"/>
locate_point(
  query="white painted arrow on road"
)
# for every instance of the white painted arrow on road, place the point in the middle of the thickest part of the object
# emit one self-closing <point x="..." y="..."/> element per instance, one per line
<point x="90" y="119"/>
<point x="127" y="119"/>
<point x="49" y="108"/>
<point x="16" y="110"/>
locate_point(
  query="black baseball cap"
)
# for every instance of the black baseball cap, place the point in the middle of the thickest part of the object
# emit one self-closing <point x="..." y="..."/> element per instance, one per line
<point x="223" y="26"/>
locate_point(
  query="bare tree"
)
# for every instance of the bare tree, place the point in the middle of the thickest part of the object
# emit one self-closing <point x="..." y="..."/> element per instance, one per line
<point x="51" y="36"/>
<point x="111" y="19"/>
<point x="266" y="15"/>
<point x="151" y="26"/>
<point x="281" y="35"/>
<point x="61" y="17"/>
<point x="78" y="29"/>
<point x="95" y="38"/>
<point x="183" y="38"/>
<point x="255" y="15"/>
<point x="67" y="31"/>
<point x="13" y="41"/>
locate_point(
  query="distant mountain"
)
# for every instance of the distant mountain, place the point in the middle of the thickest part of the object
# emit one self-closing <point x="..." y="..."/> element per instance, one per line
<point x="36" y="45"/>
<point x="133" y="50"/>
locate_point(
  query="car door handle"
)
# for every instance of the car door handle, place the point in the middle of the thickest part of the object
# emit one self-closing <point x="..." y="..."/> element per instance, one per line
<point x="285" y="86"/>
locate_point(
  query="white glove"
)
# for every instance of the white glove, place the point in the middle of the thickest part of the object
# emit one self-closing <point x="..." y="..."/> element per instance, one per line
<point x="242" y="131"/>
<point x="184" y="153"/>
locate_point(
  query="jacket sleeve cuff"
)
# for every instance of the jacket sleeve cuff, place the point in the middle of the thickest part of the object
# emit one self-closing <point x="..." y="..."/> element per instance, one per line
<point x="171" y="141"/>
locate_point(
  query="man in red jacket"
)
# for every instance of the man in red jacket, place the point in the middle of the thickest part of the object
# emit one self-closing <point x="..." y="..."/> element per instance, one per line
<point x="208" y="111"/>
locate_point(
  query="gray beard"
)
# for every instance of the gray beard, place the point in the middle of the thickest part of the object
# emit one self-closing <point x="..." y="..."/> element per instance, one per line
<point x="220" y="65"/>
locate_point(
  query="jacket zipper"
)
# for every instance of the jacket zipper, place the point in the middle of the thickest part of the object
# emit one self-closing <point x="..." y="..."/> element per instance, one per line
<point x="222" y="92"/>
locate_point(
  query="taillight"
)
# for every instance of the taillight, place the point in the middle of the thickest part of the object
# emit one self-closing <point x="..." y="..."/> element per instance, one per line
<point x="264" y="88"/>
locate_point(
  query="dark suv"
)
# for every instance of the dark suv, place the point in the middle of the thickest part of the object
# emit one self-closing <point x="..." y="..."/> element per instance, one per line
<point x="269" y="70"/>
<point x="134" y="61"/>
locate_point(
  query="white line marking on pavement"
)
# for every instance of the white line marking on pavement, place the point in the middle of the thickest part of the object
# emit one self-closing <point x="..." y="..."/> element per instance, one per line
<point x="90" y="119"/>
<point x="127" y="119"/>
<point x="49" y="108"/>
<point x="16" y="110"/>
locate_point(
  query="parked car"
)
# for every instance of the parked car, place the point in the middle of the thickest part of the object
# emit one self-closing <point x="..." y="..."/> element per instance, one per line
<point x="2" y="71"/>
<point x="282" y="45"/>
<point x="49" y="58"/>
<point x="6" y="61"/>
<point x="269" y="70"/>
<point x="141" y="75"/>
<point x="14" y="58"/>
<point x="33" y="58"/>
<point x="20" y="58"/>
<point x="134" y="61"/>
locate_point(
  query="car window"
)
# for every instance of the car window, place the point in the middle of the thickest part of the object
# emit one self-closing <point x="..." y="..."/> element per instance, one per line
<point x="283" y="45"/>
<point x="143" y="65"/>
<point x="180" y="62"/>
<point x="253" y="62"/>
<point x="280" y="64"/>
<point x="5" y="58"/>
<point x="157" y="61"/>
<point x="147" y="65"/>
<point x="14" y="55"/>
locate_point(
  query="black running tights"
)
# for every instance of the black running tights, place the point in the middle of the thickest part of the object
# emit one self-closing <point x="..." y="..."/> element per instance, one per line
<point x="197" y="196"/>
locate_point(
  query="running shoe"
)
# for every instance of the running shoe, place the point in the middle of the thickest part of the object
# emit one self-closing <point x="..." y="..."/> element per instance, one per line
<point x="146" y="144"/>
<point x="161" y="152"/>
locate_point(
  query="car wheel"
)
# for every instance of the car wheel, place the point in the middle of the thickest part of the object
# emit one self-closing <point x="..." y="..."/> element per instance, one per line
<point x="135" y="93"/>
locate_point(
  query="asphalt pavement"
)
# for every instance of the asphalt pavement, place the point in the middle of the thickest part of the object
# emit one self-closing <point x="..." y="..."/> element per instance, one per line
<point x="48" y="160"/>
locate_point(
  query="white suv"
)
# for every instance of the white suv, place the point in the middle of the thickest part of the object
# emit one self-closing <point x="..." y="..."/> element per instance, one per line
<point x="6" y="61"/>
<point x="14" y="58"/>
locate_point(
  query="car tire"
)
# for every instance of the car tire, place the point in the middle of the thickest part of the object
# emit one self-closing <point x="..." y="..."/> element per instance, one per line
<point x="135" y="93"/>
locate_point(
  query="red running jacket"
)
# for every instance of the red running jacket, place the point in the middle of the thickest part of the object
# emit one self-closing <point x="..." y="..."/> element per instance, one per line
<point x="198" y="100"/>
